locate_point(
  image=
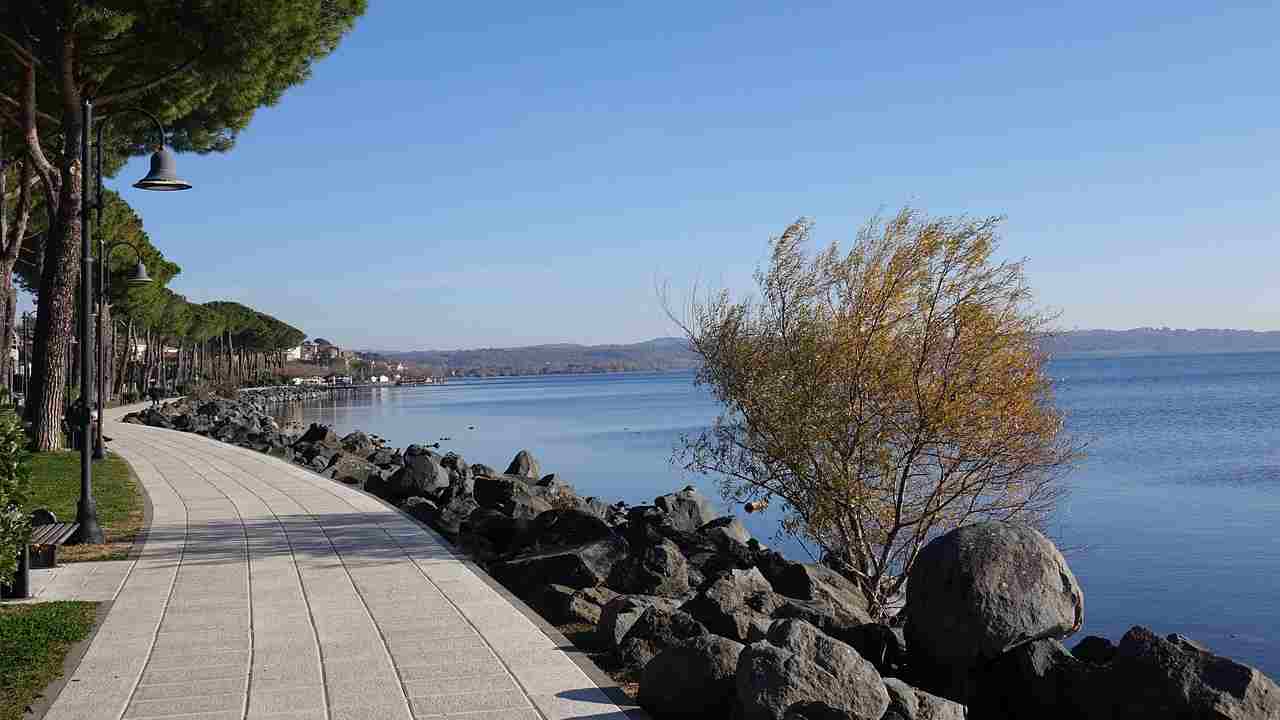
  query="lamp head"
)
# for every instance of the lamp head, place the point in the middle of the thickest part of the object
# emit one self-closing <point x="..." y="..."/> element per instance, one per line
<point x="163" y="175"/>
<point x="139" y="277"/>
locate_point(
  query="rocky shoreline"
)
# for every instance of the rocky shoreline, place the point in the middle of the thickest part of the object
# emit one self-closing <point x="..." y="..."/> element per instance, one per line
<point x="714" y="625"/>
<point x="263" y="398"/>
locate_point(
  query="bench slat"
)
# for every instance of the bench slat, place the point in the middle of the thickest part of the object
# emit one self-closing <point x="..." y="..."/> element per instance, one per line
<point x="53" y="534"/>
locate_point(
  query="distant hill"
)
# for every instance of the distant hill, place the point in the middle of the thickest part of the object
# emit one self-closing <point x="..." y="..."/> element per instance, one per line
<point x="1161" y="340"/>
<point x="660" y="354"/>
<point x="673" y="354"/>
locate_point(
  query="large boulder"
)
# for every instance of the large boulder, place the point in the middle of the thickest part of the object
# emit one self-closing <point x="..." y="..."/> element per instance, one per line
<point x="737" y="606"/>
<point x="801" y="670"/>
<point x="1174" y="677"/>
<point x="724" y="530"/>
<point x="563" y="605"/>
<point x="509" y="495"/>
<point x="655" y="570"/>
<point x="577" y="567"/>
<point x="980" y="591"/>
<point x="352" y="470"/>
<point x="687" y="509"/>
<point x="453" y="515"/>
<point x="561" y="528"/>
<point x="655" y="630"/>
<point x="1041" y="679"/>
<point x="321" y="434"/>
<point x="525" y="465"/>
<point x="692" y="679"/>
<point x="620" y="613"/>
<point x="908" y="703"/>
<point x="422" y="474"/>
<point x="358" y="443"/>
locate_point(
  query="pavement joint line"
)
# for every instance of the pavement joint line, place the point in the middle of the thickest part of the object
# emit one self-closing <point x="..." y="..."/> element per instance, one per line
<point x="384" y="558"/>
<point x="511" y="673"/>
<point x="492" y="649"/>
<point x="173" y="582"/>
<point x="315" y="637"/>
<point x="248" y="573"/>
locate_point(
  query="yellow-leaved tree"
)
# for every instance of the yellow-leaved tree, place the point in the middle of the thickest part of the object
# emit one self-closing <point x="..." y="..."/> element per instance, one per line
<point x="881" y="396"/>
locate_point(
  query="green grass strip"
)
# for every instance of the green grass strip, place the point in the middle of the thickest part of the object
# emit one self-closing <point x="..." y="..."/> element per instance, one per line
<point x="34" y="640"/>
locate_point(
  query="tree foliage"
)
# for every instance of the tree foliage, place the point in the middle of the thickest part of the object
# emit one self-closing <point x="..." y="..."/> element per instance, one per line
<point x="15" y="526"/>
<point x="883" y="395"/>
<point x="203" y="68"/>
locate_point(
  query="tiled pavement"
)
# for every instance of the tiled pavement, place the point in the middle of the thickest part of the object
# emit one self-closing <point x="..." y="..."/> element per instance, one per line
<point x="264" y="591"/>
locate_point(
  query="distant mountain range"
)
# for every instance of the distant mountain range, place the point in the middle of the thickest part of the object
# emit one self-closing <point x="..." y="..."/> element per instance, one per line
<point x="1162" y="340"/>
<point x="660" y="354"/>
<point x="673" y="354"/>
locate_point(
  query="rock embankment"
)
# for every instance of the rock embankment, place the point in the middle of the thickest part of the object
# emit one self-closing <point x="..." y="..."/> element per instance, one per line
<point x="264" y="397"/>
<point x="715" y="625"/>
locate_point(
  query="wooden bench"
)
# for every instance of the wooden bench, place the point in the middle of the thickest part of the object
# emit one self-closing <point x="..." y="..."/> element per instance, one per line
<point x="46" y="535"/>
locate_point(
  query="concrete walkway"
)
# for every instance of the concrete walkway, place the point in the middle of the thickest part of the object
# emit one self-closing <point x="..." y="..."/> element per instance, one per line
<point x="265" y="591"/>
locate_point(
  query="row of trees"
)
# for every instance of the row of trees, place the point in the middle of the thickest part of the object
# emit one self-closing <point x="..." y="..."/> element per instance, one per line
<point x="202" y="68"/>
<point x="156" y="335"/>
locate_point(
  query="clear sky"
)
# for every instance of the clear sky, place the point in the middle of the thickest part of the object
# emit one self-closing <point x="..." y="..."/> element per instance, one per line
<point x="488" y="174"/>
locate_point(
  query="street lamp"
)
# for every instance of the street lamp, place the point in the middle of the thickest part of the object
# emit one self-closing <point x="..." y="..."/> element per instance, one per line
<point x="161" y="177"/>
<point x="139" y="278"/>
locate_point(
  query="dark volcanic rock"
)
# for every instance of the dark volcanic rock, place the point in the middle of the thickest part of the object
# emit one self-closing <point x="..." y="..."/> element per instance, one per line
<point x="687" y="509"/>
<point x="723" y="530"/>
<point x="1039" y="680"/>
<point x="799" y="666"/>
<point x="1094" y="649"/>
<point x="351" y="470"/>
<point x="560" y="528"/>
<point x="563" y="605"/>
<point x="908" y="703"/>
<point x="481" y="470"/>
<point x="509" y="495"/>
<point x="1173" y="677"/>
<point x="694" y="678"/>
<point x="620" y="613"/>
<point x="358" y="443"/>
<point x="421" y="474"/>
<point x="578" y="567"/>
<point x="737" y="606"/>
<point x="454" y="515"/>
<point x="654" y="631"/>
<point x="321" y="434"/>
<point x="655" y="570"/>
<point x="525" y="466"/>
<point x="979" y="591"/>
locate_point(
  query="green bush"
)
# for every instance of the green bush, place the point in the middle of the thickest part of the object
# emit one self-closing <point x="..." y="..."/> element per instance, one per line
<point x="15" y="483"/>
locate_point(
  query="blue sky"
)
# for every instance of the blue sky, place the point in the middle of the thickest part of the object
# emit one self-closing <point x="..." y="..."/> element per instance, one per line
<point x="484" y="174"/>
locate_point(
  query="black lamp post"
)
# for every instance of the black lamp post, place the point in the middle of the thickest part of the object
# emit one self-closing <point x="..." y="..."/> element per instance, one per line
<point x="161" y="177"/>
<point x="137" y="279"/>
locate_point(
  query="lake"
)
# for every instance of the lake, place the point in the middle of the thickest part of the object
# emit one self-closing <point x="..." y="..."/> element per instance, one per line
<point x="1171" y="522"/>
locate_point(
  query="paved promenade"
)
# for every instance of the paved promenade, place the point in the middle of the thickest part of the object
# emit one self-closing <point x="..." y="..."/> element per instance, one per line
<point x="264" y="591"/>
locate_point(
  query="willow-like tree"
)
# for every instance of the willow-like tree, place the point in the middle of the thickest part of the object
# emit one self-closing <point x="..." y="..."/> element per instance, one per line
<point x="881" y="396"/>
<point x="202" y="67"/>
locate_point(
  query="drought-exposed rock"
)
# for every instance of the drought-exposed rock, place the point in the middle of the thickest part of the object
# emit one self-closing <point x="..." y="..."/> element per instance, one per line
<point x="620" y="613"/>
<point x="980" y="591"/>
<point x="577" y="567"/>
<point x="655" y="630"/>
<point x="688" y="509"/>
<point x="561" y="528"/>
<point x="525" y="466"/>
<point x="1094" y="649"/>
<point x="694" y="678"/>
<point x="908" y="703"/>
<point x="421" y="474"/>
<point x="509" y="495"/>
<point x="659" y="569"/>
<point x="798" y="667"/>
<point x="737" y="606"/>
<point x="1174" y="677"/>
<point x="352" y="470"/>
<point x="727" y="529"/>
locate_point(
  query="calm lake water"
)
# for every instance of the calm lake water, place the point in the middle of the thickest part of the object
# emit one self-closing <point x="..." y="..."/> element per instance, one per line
<point x="1173" y="520"/>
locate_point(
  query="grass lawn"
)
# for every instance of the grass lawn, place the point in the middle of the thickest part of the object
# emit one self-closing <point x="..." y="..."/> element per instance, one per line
<point x="55" y="484"/>
<point x="33" y="642"/>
